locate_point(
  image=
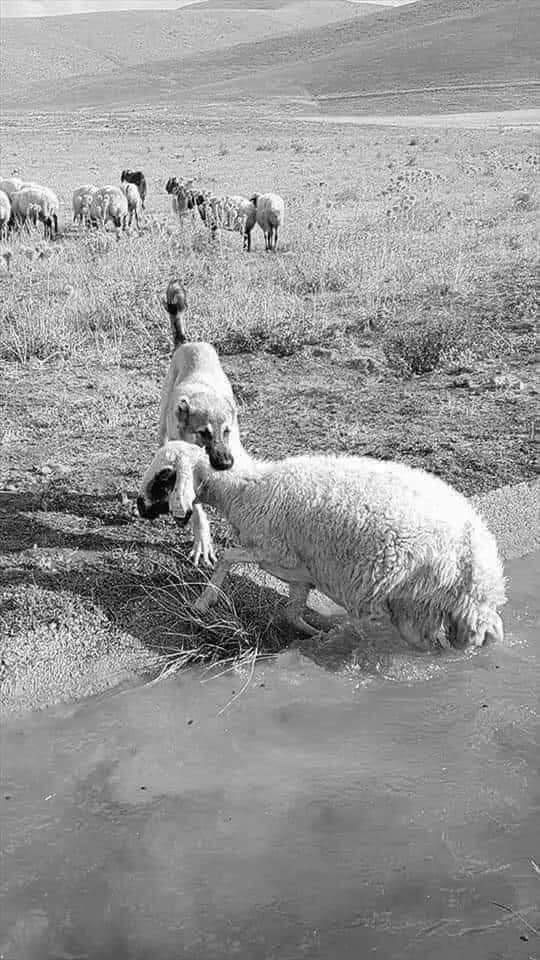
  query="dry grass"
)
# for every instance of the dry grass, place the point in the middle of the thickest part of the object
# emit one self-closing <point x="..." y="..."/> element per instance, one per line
<point x="418" y="280"/>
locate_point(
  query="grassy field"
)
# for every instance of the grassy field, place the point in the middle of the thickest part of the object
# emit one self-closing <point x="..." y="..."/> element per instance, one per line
<point x="396" y="320"/>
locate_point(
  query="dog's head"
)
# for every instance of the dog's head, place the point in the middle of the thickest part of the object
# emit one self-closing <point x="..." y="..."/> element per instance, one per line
<point x="168" y="484"/>
<point x="209" y="422"/>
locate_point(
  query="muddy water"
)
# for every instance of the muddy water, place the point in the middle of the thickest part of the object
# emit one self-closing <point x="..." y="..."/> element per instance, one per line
<point x="373" y="811"/>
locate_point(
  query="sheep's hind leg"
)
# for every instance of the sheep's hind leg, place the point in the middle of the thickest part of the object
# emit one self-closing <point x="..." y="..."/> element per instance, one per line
<point x="298" y="594"/>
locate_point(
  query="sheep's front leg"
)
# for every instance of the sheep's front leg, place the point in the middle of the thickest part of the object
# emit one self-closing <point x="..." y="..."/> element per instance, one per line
<point x="230" y="557"/>
<point x="202" y="537"/>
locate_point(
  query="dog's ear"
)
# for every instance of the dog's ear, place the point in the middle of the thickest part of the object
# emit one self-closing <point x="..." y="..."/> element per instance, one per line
<point x="182" y="412"/>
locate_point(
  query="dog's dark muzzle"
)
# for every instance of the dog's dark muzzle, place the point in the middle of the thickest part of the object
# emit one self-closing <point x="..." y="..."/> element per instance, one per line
<point x="220" y="458"/>
<point x="153" y="510"/>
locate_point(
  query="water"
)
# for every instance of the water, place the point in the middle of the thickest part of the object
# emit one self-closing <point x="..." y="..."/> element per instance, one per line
<point x="320" y="815"/>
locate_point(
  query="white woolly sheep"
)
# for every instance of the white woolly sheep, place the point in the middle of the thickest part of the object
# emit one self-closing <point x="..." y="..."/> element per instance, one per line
<point x="371" y="535"/>
<point x="5" y="214"/>
<point x="82" y="201"/>
<point x="34" y="203"/>
<point x="134" y="201"/>
<point x="138" y="178"/>
<point x="10" y="185"/>
<point x="268" y="210"/>
<point x="109" y="203"/>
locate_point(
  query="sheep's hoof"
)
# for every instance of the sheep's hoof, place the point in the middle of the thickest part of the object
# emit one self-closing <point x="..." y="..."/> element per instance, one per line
<point x="298" y="623"/>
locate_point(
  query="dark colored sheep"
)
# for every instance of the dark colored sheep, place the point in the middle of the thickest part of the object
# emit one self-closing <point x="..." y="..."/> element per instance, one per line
<point x="138" y="178"/>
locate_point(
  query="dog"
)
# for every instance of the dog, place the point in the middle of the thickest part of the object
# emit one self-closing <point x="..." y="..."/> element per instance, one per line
<point x="197" y="405"/>
<point x="197" y="401"/>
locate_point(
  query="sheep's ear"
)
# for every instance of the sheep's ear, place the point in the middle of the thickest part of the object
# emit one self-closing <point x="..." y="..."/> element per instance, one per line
<point x="182" y="412"/>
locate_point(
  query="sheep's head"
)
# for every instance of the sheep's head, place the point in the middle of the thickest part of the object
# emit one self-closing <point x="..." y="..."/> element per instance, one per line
<point x="168" y="484"/>
<point x="172" y="185"/>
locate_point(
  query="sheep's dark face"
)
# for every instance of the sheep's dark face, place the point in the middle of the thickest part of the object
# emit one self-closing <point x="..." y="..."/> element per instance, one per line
<point x="168" y="484"/>
<point x="153" y="500"/>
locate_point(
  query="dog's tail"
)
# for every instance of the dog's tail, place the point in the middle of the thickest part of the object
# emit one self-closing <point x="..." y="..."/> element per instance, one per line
<point x="175" y="304"/>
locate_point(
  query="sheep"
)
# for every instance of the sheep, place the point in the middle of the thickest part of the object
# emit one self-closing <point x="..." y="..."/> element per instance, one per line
<point x="268" y="210"/>
<point x="372" y="535"/>
<point x="34" y="203"/>
<point x="138" y="178"/>
<point x="183" y="200"/>
<point x="6" y="256"/>
<point x="225" y="213"/>
<point x="5" y="214"/>
<point x="134" y="202"/>
<point x="11" y="185"/>
<point x="109" y="203"/>
<point x="82" y="201"/>
<point x="238" y="210"/>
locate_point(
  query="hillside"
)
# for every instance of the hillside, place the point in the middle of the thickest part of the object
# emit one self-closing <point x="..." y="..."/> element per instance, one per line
<point x="52" y="49"/>
<point x="432" y="43"/>
<point x="443" y="43"/>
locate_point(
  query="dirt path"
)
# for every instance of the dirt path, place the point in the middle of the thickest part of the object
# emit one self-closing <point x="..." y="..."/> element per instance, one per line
<point x="482" y="120"/>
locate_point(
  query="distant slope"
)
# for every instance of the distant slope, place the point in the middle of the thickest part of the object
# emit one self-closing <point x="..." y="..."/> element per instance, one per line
<point x="429" y="43"/>
<point x="51" y="49"/>
<point x="425" y="44"/>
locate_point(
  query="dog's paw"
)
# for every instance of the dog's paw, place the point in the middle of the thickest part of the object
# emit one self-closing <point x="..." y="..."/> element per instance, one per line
<point x="203" y="548"/>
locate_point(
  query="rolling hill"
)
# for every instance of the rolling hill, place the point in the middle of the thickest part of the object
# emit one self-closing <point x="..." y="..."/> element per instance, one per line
<point x="49" y="50"/>
<point x="453" y="44"/>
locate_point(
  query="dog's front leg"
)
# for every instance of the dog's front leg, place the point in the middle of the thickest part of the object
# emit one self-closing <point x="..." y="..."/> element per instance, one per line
<point x="202" y="538"/>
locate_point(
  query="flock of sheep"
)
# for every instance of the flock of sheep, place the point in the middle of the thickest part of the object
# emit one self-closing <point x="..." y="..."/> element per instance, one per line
<point x="25" y="202"/>
<point x="234" y="213"/>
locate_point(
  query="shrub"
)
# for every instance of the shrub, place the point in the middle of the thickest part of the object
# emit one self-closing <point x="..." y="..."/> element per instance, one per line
<point x="419" y="347"/>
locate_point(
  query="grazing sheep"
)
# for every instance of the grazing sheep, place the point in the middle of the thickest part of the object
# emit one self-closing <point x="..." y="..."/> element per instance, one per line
<point x="35" y="203"/>
<point x="371" y="535"/>
<point x="6" y="256"/>
<point x="181" y="191"/>
<point x="109" y="203"/>
<point x="5" y="214"/>
<point x="82" y="201"/>
<point x="11" y="185"/>
<point x="238" y="210"/>
<point x="134" y="202"/>
<point x="268" y="210"/>
<point x="225" y="213"/>
<point x="138" y="178"/>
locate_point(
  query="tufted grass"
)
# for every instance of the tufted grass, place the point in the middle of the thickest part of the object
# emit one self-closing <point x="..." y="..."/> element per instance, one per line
<point x="340" y="270"/>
